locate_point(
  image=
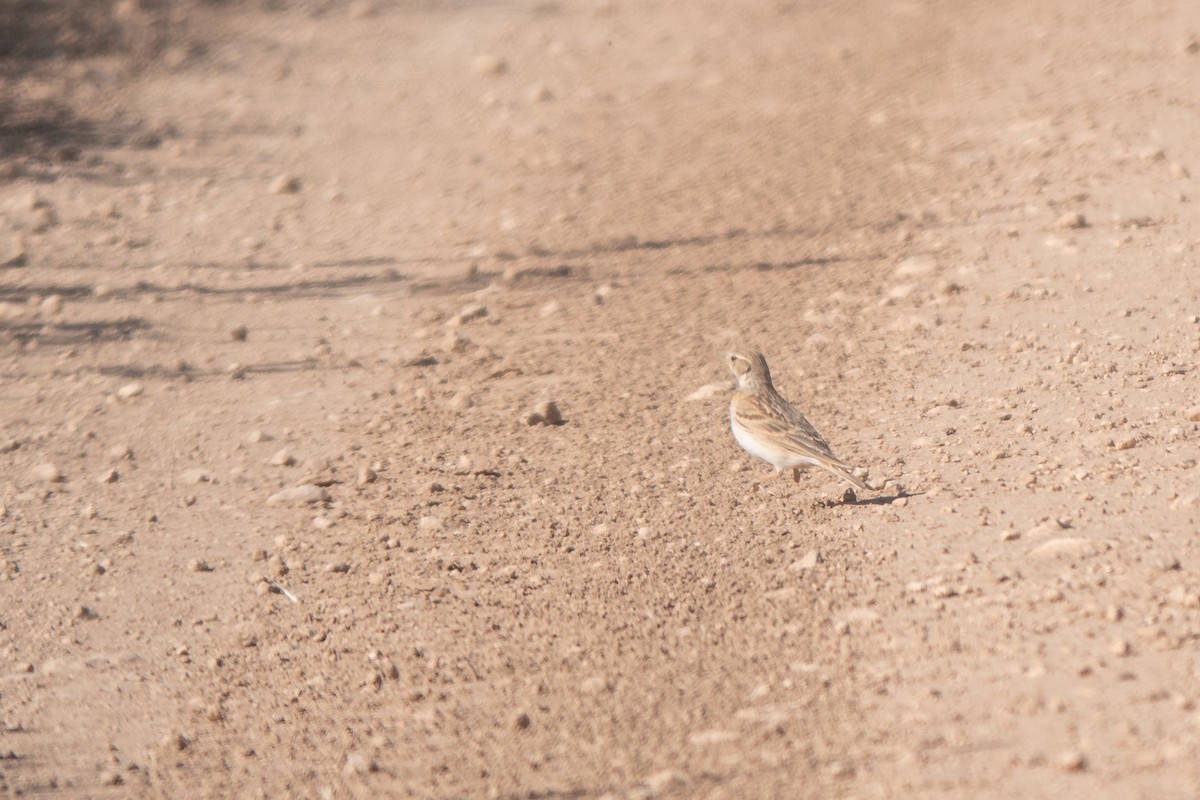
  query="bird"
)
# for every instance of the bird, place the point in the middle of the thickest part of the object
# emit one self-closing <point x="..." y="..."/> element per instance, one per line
<point x="771" y="428"/>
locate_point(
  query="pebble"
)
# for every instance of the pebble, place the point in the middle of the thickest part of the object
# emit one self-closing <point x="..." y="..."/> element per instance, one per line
<point x="358" y="764"/>
<point x="196" y="565"/>
<point x="1071" y="761"/>
<point x="193" y="477"/>
<point x="339" y="566"/>
<point x="668" y="780"/>
<point x="1120" y="648"/>
<point x="20" y="256"/>
<point x="323" y="523"/>
<point x="461" y="401"/>
<point x="297" y="495"/>
<point x="1192" y="414"/>
<point x="469" y="313"/>
<point x="551" y="308"/>
<point x="1072" y="220"/>
<point x="52" y="305"/>
<point x="282" y="458"/>
<point x="285" y="184"/>
<point x="712" y="736"/>
<point x="710" y="390"/>
<point x="544" y="413"/>
<point x="594" y="685"/>
<point x="47" y="473"/>
<point x="1067" y="547"/>
<point x="109" y="476"/>
<point x="254" y="437"/>
<point x="915" y="266"/>
<point x="120" y="452"/>
<point x="366" y="475"/>
<point x="521" y="721"/>
<point x="130" y="391"/>
<point x="239" y="333"/>
<point x="540" y="93"/>
<point x="807" y="561"/>
<point x="487" y="64"/>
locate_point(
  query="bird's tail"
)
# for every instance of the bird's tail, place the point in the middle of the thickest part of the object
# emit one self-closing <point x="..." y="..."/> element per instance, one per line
<point x="845" y="472"/>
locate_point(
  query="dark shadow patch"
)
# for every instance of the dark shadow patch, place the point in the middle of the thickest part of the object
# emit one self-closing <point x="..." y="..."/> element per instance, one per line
<point x="73" y="333"/>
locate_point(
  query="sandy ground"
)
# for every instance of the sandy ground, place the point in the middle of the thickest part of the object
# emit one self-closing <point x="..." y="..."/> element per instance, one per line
<point x="273" y="518"/>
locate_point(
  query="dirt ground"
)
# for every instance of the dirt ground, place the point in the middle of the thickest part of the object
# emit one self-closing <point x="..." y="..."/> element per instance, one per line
<point x="279" y="305"/>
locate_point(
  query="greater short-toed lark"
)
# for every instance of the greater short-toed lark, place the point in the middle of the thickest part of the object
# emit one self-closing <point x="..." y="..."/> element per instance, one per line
<point x="769" y="427"/>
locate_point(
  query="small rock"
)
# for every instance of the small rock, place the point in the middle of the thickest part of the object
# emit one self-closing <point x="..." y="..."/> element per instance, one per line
<point x="109" y="476"/>
<point x="594" y="685"/>
<point x="282" y="458"/>
<point x="254" y="437"/>
<point x="1071" y="761"/>
<point x="285" y="184"/>
<point x="461" y="401"/>
<point x="47" y="473"/>
<point x="323" y="523"/>
<point x="1072" y="220"/>
<point x="544" y="413"/>
<point x="540" y="93"/>
<point x="366" y="475"/>
<point x="239" y="333"/>
<point x="52" y="305"/>
<point x="298" y="495"/>
<point x="471" y="312"/>
<point x="486" y="64"/>
<point x="522" y="721"/>
<point x="551" y="308"/>
<point x="915" y="266"/>
<point x="1192" y="414"/>
<point x="807" y="561"/>
<point x="710" y="390"/>
<point x="340" y="566"/>
<point x="668" y="780"/>
<point x="455" y="342"/>
<point x="1120" y="648"/>
<point x="120" y="452"/>
<point x="196" y="565"/>
<point x="193" y="477"/>
<point x="1067" y="547"/>
<point x="130" y="390"/>
<point x="358" y="764"/>
<point x="19" y="257"/>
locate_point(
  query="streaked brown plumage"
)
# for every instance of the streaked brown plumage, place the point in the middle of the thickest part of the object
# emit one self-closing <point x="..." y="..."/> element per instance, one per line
<point x="769" y="427"/>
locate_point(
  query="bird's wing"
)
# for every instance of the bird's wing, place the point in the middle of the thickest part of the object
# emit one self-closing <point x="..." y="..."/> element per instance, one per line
<point x="782" y="424"/>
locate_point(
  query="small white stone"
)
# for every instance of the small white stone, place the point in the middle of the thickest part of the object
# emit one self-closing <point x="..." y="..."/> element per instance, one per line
<point x="193" y="476"/>
<point x="282" y="458"/>
<point x="298" y="495"/>
<point x="285" y="184"/>
<point x="486" y="64"/>
<point x="130" y="390"/>
<point x="47" y="473"/>
<point x="710" y="390"/>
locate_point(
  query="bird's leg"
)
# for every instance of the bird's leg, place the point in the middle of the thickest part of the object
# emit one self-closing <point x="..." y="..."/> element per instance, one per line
<point x="795" y="474"/>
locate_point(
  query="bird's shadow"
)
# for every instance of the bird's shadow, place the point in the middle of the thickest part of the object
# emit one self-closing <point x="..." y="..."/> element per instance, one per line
<point x="850" y="499"/>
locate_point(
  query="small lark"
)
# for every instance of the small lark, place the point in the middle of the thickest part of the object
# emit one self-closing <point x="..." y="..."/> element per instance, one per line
<point x="769" y="427"/>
